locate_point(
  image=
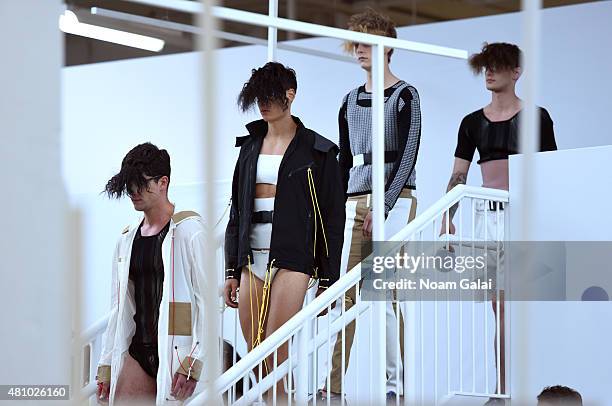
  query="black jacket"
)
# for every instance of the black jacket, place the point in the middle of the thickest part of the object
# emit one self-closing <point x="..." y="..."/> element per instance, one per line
<point x="293" y="226"/>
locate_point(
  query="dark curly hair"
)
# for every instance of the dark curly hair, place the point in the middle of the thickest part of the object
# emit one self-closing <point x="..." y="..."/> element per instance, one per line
<point x="561" y="395"/>
<point x="143" y="160"/>
<point x="498" y="56"/>
<point x="266" y="85"/>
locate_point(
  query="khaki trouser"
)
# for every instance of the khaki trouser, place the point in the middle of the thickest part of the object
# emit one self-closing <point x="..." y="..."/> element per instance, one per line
<point x="357" y="252"/>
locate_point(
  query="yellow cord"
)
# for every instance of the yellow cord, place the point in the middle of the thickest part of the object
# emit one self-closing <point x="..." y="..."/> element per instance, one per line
<point x="256" y="335"/>
<point x="265" y="301"/>
<point x="251" y="283"/>
<point x="314" y="249"/>
<point x="315" y="206"/>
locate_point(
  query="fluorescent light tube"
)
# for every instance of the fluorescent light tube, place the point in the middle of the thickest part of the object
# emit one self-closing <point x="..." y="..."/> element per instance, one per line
<point x="69" y="23"/>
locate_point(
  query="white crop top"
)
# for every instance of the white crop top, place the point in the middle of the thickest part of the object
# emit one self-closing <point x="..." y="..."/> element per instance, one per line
<point x="267" y="168"/>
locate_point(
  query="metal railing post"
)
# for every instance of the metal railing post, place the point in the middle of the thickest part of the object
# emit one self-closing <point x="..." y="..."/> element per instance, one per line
<point x="301" y="388"/>
<point x="272" y="31"/>
<point x="528" y="144"/>
<point x="379" y="356"/>
<point x="207" y="45"/>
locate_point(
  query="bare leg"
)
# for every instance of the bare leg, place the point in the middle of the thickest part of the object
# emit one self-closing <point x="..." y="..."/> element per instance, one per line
<point x="251" y="291"/>
<point x="134" y="386"/>
<point x="286" y="299"/>
<point x="249" y="303"/>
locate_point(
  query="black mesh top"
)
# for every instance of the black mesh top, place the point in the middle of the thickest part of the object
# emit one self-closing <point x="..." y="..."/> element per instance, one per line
<point x="147" y="275"/>
<point x="498" y="139"/>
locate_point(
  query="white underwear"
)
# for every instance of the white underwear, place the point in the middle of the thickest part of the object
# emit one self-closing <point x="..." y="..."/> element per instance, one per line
<point x="260" y="240"/>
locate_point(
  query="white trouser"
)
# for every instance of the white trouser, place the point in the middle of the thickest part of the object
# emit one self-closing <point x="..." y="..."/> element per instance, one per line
<point x="397" y="219"/>
<point x="489" y="227"/>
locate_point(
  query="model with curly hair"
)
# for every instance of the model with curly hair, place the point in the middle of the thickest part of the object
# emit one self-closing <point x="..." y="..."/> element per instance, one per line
<point x="152" y="348"/>
<point x="287" y="211"/>
<point x="494" y="131"/>
<point x="402" y="137"/>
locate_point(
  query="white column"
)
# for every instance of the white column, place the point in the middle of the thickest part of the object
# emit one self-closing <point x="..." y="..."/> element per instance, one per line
<point x="207" y="47"/>
<point x="529" y="141"/>
<point x="378" y="233"/>
<point x="529" y="131"/>
<point x="35" y="271"/>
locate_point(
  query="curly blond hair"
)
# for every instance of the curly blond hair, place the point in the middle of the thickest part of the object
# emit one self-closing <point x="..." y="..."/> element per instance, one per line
<point x="370" y="22"/>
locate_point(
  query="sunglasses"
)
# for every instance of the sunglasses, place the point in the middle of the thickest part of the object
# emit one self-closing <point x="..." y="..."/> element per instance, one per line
<point x="130" y="189"/>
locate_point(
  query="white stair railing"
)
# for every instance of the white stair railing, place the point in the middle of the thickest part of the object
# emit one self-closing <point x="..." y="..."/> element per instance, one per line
<point x="452" y="352"/>
<point x="89" y="350"/>
<point x="306" y="336"/>
<point x="298" y="328"/>
<point x="428" y="378"/>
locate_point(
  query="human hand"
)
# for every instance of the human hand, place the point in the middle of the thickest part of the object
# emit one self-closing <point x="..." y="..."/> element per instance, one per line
<point x="103" y="392"/>
<point x="182" y="387"/>
<point x="230" y="293"/>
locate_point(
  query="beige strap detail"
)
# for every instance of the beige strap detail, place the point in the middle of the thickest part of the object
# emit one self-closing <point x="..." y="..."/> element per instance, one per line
<point x="179" y="319"/>
<point x="406" y="193"/>
<point x="195" y="365"/>
<point x="413" y="209"/>
<point x="182" y="215"/>
<point x="104" y="373"/>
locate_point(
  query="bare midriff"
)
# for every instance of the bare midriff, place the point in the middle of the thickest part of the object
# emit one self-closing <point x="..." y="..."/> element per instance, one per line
<point x="495" y="174"/>
<point x="264" y="190"/>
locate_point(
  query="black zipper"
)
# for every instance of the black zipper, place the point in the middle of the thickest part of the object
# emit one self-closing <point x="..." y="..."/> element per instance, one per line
<point x="251" y="192"/>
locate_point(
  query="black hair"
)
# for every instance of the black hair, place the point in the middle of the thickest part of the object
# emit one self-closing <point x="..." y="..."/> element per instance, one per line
<point x="496" y="56"/>
<point x="561" y="395"/>
<point x="143" y="160"/>
<point x="266" y="85"/>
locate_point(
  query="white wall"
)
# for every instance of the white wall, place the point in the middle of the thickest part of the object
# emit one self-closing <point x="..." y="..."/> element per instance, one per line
<point x="567" y="342"/>
<point x="35" y="271"/>
<point x="110" y="107"/>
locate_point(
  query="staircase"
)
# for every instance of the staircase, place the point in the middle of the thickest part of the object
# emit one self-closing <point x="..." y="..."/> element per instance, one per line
<point x="448" y="354"/>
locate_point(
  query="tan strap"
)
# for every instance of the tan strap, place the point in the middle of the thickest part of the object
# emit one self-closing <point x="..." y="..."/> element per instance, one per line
<point x="182" y="215"/>
<point x="179" y="320"/>
<point x="191" y="367"/>
<point x="104" y="373"/>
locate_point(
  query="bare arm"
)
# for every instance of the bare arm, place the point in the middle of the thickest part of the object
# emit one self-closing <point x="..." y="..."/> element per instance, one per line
<point x="459" y="177"/>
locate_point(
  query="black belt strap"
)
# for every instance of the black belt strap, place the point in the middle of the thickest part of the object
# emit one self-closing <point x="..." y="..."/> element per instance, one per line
<point x="390" y="156"/>
<point x="260" y="217"/>
<point x="493" y="205"/>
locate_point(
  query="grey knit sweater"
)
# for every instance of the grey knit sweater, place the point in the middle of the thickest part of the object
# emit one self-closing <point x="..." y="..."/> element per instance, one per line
<point x="402" y="135"/>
